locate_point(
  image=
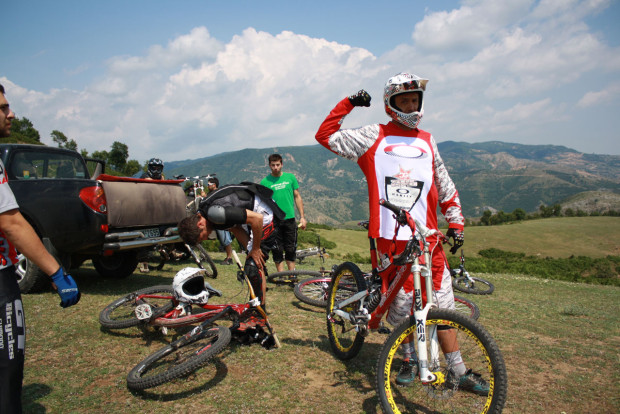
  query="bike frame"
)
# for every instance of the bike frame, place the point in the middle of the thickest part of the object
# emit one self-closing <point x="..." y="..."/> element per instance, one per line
<point x="408" y="262"/>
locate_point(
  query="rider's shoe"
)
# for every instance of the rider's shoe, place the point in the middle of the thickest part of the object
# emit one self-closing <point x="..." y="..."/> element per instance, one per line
<point x="471" y="381"/>
<point x="407" y="373"/>
<point x="226" y="262"/>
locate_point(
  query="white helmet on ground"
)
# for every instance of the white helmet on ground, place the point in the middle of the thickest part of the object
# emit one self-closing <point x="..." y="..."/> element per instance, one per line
<point x="189" y="286"/>
<point x="403" y="83"/>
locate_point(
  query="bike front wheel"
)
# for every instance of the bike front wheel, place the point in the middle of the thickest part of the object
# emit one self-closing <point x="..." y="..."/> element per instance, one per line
<point x="345" y="338"/>
<point x="180" y="358"/>
<point x="289" y="277"/>
<point x="148" y="303"/>
<point x="473" y="285"/>
<point x="466" y="307"/>
<point x="480" y="354"/>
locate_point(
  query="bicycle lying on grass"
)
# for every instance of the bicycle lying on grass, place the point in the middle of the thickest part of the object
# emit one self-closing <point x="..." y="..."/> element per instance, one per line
<point x="356" y="306"/>
<point x="158" y="306"/>
<point x="300" y="255"/>
<point x="464" y="282"/>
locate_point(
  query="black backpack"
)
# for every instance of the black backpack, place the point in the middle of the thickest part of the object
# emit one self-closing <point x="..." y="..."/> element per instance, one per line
<point x="242" y="195"/>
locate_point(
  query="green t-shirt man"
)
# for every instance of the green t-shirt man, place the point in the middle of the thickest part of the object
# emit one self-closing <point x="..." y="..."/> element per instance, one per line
<point x="286" y="195"/>
<point x="283" y="191"/>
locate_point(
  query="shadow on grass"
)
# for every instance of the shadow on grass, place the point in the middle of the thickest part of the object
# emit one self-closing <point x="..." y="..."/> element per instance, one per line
<point x="31" y="393"/>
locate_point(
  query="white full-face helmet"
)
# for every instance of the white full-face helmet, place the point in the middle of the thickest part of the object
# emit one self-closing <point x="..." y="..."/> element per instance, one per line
<point x="189" y="286"/>
<point x="403" y="83"/>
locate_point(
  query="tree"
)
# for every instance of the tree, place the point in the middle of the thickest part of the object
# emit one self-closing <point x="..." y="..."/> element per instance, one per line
<point x="118" y="155"/>
<point x="101" y="155"/>
<point x="132" y="167"/>
<point x="519" y="214"/>
<point x="62" y="140"/>
<point x="486" y="217"/>
<point x="22" y="131"/>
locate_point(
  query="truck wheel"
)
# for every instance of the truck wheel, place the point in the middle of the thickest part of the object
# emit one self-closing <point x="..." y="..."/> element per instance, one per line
<point x="118" y="266"/>
<point x="29" y="277"/>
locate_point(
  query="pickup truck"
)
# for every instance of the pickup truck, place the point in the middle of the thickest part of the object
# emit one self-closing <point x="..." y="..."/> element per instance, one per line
<point x="82" y="214"/>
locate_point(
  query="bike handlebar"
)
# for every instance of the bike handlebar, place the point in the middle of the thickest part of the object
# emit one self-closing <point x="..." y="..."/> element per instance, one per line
<point x="405" y="219"/>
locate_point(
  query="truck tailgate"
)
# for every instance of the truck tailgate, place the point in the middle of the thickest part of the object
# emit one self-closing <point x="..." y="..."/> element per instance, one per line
<point x="143" y="204"/>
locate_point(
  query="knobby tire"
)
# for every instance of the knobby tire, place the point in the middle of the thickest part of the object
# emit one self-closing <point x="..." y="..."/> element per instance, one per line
<point x="179" y="359"/>
<point x="344" y="340"/>
<point x="480" y="354"/>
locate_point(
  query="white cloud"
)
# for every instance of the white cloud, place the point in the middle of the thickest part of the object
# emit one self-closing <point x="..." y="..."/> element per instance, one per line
<point x="493" y="67"/>
<point x="605" y="96"/>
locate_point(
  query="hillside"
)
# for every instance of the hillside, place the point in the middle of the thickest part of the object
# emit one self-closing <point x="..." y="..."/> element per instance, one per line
<point x="490" y="175"/>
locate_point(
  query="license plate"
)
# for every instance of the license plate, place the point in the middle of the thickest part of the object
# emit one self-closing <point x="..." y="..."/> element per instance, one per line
<point x="151" y="232"/>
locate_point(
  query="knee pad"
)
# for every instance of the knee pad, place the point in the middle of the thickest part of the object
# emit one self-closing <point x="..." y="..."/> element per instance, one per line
<point x="251" y="270"/>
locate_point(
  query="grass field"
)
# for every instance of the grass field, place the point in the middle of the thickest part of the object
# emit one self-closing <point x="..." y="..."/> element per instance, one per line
<point x="560" y="340"/>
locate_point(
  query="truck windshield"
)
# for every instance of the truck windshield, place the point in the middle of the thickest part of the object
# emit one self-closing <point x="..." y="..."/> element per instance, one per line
<point x="32" y="165"/>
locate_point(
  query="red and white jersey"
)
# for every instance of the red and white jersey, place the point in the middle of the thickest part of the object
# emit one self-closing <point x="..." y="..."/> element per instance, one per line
<point x="8" y="254"/>
<point x="403" y="167"/>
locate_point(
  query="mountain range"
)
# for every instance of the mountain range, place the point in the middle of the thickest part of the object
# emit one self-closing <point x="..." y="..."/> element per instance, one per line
<point x="490" y="175"/>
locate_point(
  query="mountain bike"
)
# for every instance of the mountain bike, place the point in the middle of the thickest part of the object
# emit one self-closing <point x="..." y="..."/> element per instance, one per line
<point x="464" y="282"/>
<point x="353" y="312"/>
<point x="194" y="349"/>
<point x="300" y="255"/>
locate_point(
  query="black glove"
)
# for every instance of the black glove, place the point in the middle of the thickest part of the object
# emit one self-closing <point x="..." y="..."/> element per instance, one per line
<point x="362" y="98"/>
<point x="458" y="237"/>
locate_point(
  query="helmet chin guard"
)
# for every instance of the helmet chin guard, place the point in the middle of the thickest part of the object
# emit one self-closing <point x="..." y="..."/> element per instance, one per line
<point x="404" y="83"/>
<point x="189" y="286"/>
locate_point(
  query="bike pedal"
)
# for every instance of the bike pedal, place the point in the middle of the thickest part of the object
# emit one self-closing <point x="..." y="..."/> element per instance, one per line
<point x="143" y="311"/>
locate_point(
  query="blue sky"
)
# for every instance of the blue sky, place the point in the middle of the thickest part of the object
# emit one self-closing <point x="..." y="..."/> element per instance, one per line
<point x="188" y="79"/>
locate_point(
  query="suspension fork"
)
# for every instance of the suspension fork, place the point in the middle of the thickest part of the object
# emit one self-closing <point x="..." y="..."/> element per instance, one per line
<point x="420" y="315"/>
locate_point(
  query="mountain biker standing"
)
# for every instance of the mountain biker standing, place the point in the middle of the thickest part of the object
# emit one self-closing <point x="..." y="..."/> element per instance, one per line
<point x="154" y="170"/>
<point x="402" y="165"/>
<point x="17" y="234"/>
<point x="286" y="194"/>
<point x="248" y="211"/>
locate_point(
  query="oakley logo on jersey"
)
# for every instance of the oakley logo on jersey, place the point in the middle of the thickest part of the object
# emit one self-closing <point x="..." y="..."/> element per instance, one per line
<point x="405" y="151"/>
<point x="403" y="192"/>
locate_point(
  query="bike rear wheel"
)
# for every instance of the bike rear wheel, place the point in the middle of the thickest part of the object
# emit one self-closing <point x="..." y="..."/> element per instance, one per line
<point x="480" y="354"/>
<point x="473" y="285"/>
<point x="289" y="277"/>
<point x="344" y="339"/>
<point x="180" y="358"/>
<point x="204" y="260"/>
<point x="466" y="307"/>
<point x="121" y="313"/>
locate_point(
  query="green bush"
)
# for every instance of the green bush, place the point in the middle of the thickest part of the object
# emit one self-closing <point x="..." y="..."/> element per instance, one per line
<point x="603" y="271"/>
